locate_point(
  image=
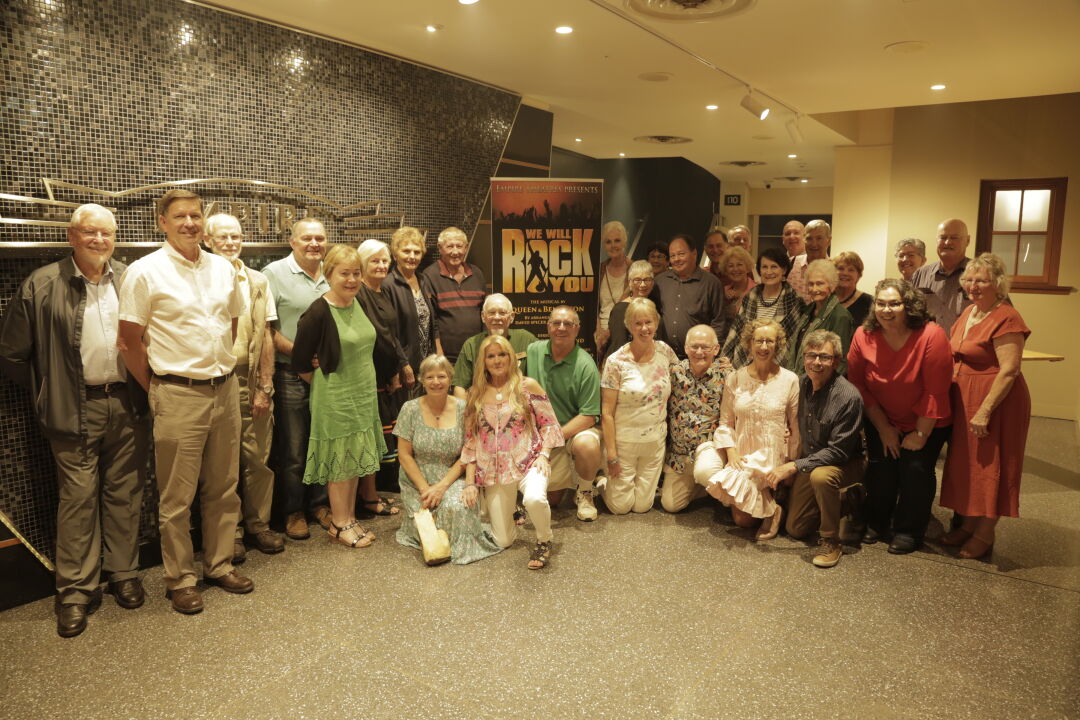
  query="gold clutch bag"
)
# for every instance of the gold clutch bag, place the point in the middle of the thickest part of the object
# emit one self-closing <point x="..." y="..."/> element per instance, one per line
<point x="434" y="542"/>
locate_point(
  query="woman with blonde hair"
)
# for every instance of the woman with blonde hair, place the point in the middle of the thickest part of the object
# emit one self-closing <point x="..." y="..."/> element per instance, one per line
<point x="641" y="284"/>
<point x="758" y="431"/>
<point x="510" y="429"/>
<point x="634" y="390"/>
<point x="738" y="268"/>
<point x="430" y="434"/>
<point x="849" y="268"/>
<point x="613" y="280"/>
<point x="411" y="296"/>
<point x="346" y="432"/>
<point x="991" y="409"/>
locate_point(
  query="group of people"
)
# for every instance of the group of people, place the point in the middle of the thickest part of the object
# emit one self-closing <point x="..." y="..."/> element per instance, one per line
<point x="787" y="394"/>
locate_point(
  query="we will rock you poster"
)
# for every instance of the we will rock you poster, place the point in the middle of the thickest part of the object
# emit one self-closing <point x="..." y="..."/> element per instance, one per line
<point x="546" y="248"/>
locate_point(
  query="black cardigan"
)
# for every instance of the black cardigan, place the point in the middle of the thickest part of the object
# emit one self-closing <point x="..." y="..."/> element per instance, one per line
<point x="317" y="335"/>
<point x="408" y="323"/>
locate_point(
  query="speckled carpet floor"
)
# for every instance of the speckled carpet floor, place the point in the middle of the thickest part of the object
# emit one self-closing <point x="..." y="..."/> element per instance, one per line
<point x="650" y="616"/>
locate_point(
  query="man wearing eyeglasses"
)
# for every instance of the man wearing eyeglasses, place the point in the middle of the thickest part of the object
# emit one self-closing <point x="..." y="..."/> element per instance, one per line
<point x="689" y="296"/>
<point x="572" y="383"/>
<point x="832" y="462"/>
<point x="497" y="315"/>
<point x="59" y="341"/>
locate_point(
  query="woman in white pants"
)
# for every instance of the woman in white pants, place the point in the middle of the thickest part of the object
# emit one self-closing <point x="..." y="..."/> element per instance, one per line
<point x="634" y="390"/>
<point x="510" y="429"/>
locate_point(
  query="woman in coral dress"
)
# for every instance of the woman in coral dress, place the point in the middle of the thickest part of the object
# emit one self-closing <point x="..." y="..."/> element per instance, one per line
<point x="991" y="408"/>
<point x="759" y="430"/>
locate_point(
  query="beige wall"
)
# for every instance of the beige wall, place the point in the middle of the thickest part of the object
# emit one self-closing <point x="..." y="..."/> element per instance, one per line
<point x="942" y="152"/>
<point x="796" y="201"/>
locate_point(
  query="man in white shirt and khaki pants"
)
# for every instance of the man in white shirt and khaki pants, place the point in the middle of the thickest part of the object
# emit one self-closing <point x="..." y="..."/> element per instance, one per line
<point x="178" y="316"/>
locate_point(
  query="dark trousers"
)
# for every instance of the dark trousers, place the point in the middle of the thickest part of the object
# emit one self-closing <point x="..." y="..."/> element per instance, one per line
<point x="900" y="491"/>
<point x="292" y="430"/>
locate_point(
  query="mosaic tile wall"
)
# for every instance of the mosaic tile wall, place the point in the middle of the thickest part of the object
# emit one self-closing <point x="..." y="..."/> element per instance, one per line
<point x="117" y="94"/>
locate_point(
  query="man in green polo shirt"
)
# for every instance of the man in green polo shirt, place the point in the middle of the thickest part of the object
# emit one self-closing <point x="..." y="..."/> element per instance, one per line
<point x="497" y="315"/>
<point x="572" y="382"/>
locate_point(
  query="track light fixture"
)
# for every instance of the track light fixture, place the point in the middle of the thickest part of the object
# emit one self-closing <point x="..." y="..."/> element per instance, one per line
<point x="793" y="130"/>
<point x="754" y="107"/>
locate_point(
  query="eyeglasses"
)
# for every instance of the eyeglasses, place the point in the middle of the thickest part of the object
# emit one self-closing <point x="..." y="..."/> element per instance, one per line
<point x="562" y="323"/>
<point x="818" y="357"/>
<point x="764" y="341"/>
<point x="888" y="305"/>
<point x="641" y="281"/>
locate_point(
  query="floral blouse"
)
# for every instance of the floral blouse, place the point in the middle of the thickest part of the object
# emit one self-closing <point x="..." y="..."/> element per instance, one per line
<point x="641" y="414"/>
<point x="504" y="450"/>
<point x="693" y="411"/>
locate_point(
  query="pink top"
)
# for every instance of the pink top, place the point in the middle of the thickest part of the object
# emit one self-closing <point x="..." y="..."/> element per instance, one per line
<point x="908" y="383"/>
<point x="504" y="449"/>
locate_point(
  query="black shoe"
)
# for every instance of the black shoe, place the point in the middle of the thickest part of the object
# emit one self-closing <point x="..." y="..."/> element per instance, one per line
<point x="871" y="536"/>
<point x="239" y="552"/>
<point x="903" y="544"/>
<point x="129" y="593"/>
<point x="71" y="619"/>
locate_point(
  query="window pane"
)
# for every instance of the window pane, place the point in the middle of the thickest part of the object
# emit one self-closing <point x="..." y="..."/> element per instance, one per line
<point x="1032" y="255"/>
<point x="1036" y="210"/>
<point x="1004" y="246"/>
<point x="1007" y="209"/>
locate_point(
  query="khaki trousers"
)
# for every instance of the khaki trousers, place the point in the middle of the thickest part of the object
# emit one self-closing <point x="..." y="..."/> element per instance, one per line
<point x="679" y="488"/>
<point x="635" y="487"/>
<point x="563" y="470"/>
<point x="815" y="502"/>
<point x="256" y="479"/>
<point x="197" y="450"/>
<point x="100" y="481"/>
<point x="500" y="502"/>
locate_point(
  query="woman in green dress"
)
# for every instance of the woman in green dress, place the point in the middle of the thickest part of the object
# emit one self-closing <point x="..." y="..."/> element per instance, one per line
<point x="333" y="352"/>
<point x="430" y="435"/>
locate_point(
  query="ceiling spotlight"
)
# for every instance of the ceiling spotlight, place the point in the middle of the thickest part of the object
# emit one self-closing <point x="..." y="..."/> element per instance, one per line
<point x="804" y="180"/>
<point x="711" y="107"/>
<point x="564" y="29"/>
<point x="755" y="107"/>
<point x="468" y="2"/>
<point x="939" y="86"/>
<point x="792" y="155"/>
<point x="577" y="139"/>
<point x="793" y="131"/>
<point x="622" y="154"/>
<point x="434" y="28"/>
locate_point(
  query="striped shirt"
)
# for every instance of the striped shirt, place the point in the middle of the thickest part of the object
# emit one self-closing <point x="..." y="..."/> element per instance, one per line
<point x="456" y="304"/>
<point x="829" y="423"/>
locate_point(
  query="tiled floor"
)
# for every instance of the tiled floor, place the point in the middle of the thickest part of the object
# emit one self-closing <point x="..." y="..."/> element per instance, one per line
<point x="651" y="616"/>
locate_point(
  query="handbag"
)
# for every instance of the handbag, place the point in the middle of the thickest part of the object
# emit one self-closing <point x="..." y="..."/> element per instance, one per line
<point x="434" y="542"/>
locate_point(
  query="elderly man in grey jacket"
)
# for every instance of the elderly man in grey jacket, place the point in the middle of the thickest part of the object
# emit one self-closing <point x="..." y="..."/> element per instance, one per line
<point x="90" y="411"/>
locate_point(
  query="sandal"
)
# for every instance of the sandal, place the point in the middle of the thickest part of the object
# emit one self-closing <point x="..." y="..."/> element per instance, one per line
<point x="540" y="555"/>
<point x="379" y="506"/>
<point x="975" y="548"/>
<point x="363" y="537"/>
<point x="955" y="537"/>
<point x="520" y="516"/>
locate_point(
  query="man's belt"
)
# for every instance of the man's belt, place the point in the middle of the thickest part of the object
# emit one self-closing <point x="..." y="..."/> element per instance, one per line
<point x="190" y="382"/>
<point x="100" y="391"/>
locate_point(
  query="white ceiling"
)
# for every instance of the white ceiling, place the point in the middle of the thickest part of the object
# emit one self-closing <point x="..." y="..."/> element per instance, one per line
<point x="808" y="56"/>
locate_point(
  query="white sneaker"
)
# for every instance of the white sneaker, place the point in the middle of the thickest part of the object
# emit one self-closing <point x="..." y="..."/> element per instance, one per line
<point x="586" y="510"/>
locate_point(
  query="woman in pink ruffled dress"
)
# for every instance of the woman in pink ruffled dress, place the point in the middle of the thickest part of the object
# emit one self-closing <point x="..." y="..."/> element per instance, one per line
<point x="510" y="429"/>
<point x="758" y="431"/>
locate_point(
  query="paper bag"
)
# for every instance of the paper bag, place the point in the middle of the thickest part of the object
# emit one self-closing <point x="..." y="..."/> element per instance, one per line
<point x="434" y="542"/>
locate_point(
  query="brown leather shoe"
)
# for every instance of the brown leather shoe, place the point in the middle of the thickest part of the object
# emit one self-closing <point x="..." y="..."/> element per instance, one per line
<point x="322" y="516"/>
<point x="266" y="541"/>
<point x="296" y="526"/>
<point x="71" y="619"/>
<point x="232" y="582"/>
<point x="129" y="593"/>
<point x="239" y="551"/>
<point x="186" y="600"/>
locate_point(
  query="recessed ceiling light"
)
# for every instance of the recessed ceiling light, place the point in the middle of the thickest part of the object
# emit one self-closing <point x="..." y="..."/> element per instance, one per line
<point x="577" y="139"/>
<point x="468" y="2"/>
<point x="622" y="154"/>
<point x="804" y="180"/>
<point x="711" y="107"/>
<point x="564" y="29"/>
<point x="792" y="155"/>
<point x="939" y="86"/>
<point x="434" y="28"/>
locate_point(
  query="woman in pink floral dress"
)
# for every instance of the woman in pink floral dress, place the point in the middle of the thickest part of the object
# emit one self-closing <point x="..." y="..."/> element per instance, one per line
<point x="510" y="429"/>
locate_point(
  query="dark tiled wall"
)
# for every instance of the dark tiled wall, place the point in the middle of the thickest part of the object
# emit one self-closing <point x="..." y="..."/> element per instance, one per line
<point x="123" y="93"/>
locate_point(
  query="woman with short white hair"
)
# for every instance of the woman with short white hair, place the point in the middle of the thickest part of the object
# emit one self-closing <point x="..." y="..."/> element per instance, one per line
<point x="823" y="313"/>
<point x="634" y="390"/>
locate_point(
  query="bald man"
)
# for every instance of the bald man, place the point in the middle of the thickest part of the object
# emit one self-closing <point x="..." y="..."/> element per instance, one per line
<point x="795" y="242"/>
<point x="940" y="281"/>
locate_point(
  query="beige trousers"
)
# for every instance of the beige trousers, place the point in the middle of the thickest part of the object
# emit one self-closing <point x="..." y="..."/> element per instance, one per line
<point x="100" y="482"/>
<point x="197" y="451"/>
<point x="501" y="501"/>
<point x="679" y="488"/>
<point x="635" y="487"/>
<point x="563" y="470"/>
<point x="816" y="499"/>
<point x="256" y="478"/>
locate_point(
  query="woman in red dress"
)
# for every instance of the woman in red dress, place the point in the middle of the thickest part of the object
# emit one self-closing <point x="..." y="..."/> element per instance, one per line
<point x="991" y="408"/>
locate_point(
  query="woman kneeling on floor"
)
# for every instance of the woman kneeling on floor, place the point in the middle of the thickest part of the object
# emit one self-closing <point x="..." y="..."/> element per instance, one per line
<point x="429" y="430"/>
<point x="510" y="429"/>
<point x="759" y="431"/>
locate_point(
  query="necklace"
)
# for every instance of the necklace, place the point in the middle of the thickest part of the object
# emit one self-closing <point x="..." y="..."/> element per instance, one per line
<point x="498" y="392"/>
<point x="846" y="300"/>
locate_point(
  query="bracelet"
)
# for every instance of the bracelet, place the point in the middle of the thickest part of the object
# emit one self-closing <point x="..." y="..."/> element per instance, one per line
<point x="612" y="461"/>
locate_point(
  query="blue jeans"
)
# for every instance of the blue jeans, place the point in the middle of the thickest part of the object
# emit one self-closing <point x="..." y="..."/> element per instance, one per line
<point x="292" y="429"/>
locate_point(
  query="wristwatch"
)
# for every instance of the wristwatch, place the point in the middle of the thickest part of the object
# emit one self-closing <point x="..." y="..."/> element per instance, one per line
<point x="268" y="389"/>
